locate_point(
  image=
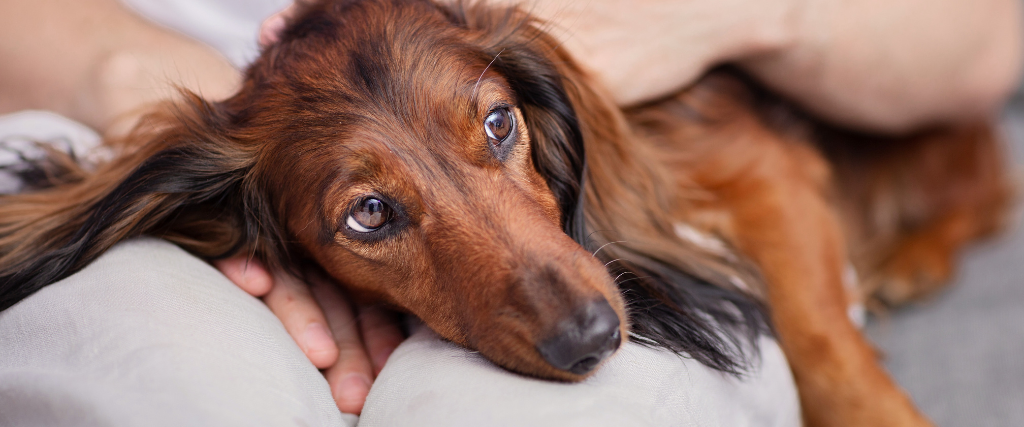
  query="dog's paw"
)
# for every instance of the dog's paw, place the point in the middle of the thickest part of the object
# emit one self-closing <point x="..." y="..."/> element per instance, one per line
<point x="918" y="268"/>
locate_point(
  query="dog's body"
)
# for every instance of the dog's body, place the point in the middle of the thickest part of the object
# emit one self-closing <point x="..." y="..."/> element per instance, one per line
<point x="804" y="203"/>
<point x="454" y="163"/>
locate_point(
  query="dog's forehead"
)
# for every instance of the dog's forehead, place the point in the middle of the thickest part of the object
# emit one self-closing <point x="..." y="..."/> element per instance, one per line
<point x="421" y="67"/>
<point x="384" y="84"/>
<point x="391" y="53"/>
<point x="410" y="76"/>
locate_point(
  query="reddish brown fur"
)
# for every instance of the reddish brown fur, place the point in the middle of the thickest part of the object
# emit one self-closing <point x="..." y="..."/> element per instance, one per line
<point x="478" y="250"/>
<point x="903" y="209"/>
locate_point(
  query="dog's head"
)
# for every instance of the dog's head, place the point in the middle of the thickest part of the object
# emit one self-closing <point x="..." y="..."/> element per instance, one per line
<point x="433" y="159"/>
<point x="430" y="157"/>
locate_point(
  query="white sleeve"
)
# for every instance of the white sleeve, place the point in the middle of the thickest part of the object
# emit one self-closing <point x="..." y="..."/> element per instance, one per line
<point x="230" y="26"/>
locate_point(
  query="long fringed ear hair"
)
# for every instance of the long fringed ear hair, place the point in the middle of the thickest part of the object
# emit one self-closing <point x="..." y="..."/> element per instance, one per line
<point x="679" y="297"/>
<point x="193" y="182"/>
<point x="185" y="179"/>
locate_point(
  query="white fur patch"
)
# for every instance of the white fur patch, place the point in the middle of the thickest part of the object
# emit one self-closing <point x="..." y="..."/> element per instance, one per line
<point x="856" y="311"/>
<point x="711" y="244"/>
<point x="703" y="240"/>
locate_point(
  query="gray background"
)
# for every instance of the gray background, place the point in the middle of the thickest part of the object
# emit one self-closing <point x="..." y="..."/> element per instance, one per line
<point x="960" y="354"/>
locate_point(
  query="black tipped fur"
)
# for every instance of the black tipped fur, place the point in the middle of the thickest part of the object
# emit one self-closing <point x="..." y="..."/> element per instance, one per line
<point x="180" y="176"/>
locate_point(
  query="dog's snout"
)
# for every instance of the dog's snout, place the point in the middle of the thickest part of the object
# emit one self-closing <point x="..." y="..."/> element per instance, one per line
<point x="581" y="343"/>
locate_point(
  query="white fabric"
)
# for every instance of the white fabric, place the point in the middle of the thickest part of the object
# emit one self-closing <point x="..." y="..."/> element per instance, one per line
<point x="150" y="336"/>
<point x="230" y="26"/>
<point x="431" y="382"/>
<point x="21" y="132"/>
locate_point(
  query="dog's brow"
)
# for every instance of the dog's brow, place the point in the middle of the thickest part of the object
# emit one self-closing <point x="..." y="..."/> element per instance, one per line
<point x="478" y="79"/>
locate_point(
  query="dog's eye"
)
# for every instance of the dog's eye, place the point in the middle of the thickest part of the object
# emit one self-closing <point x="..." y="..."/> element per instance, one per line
<point x="369" y="216"/>
<point x="498" y="125"/>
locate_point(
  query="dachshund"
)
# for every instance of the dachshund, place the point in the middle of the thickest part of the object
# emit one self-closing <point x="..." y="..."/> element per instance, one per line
<point x="451" y="161"/>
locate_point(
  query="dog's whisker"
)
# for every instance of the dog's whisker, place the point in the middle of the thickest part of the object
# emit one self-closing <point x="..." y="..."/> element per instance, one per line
<point x="606" y="244"/>
<point x="630" y="280"/>
<point x="609" y="262"/>
<point x="478" y="79"/>
<point x="589" y="236"/>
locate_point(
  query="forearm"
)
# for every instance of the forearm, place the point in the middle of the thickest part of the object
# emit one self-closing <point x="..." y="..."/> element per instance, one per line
<point x="881" y="65"/>
<point x="645" y="49"/>
<point x="893" y="66"/>
<point x="95" y="62"/>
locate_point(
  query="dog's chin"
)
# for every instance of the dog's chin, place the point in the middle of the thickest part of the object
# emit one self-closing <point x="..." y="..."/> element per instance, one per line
<point x="519" y="348"/>
<point x="533" y="365"/>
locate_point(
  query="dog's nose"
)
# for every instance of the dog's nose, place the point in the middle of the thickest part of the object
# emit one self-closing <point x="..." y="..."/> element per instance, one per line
<point x="584" y="341"/>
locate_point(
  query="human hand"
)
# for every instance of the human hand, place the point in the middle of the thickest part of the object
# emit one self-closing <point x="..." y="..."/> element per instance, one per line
<point x="644" y="50"/>
<point x="271" y="28"/>
<point x="350" y="344"/>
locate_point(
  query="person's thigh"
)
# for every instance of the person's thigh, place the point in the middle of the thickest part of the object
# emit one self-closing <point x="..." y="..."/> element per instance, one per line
<point x="148" y="335"/>
<point x="429" y="382"/>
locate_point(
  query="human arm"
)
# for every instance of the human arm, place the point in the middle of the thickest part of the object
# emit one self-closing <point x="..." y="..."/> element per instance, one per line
<point x="895" y="66"/>
<point x="875" y="65"/>
<point x="95" y="62"/>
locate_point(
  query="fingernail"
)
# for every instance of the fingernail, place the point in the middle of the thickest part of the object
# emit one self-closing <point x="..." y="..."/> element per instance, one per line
<point x="351" y="392"/>
<point x="318" y="338"/>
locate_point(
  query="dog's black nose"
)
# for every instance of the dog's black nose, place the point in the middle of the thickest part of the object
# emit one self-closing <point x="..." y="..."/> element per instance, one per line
<point x="583" y="341"/>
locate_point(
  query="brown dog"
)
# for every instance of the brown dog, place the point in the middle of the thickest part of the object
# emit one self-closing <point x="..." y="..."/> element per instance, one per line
<point x="454" y="163"/>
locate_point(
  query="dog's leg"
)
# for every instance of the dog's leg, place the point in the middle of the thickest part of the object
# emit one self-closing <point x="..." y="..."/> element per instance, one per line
<point x="784" y="223"/>
<point x="767" y="193"/>
<point x="781" y="219"/>
<point x="923" y="262"/>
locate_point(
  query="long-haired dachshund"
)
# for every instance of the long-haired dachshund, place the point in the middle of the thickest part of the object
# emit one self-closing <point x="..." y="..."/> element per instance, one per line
<point x="455" y="163"/>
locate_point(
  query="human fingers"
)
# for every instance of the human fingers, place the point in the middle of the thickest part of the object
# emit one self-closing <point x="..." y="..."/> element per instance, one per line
<point x="271" y="28"/>
<point x="292" y="302"/>
<point x="350" y="378"/>
<point x="381" y="334"/>
<point x="246" y="273"/>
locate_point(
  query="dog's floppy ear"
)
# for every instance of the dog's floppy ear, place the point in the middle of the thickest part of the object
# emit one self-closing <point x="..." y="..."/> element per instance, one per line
<point x="679" y="297"/>
<point x="531" y="63"/>
<point x="186" y="182"/>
